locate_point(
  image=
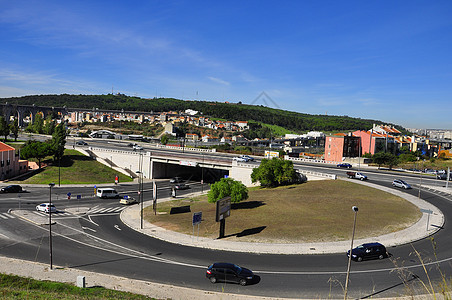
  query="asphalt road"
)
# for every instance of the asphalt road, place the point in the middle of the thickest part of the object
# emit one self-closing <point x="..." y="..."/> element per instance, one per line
<point x="99" y="242"/>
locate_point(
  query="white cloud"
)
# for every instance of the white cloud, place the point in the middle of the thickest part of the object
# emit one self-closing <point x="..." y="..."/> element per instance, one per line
<point x="218" y="80"/>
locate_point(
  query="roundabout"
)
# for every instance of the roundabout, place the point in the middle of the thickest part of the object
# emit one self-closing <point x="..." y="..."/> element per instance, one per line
<point x="165" y="264"/>
<point x="427" y="225"/>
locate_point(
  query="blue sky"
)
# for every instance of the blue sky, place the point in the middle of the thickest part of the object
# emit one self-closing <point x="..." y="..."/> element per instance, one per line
<point x="385" y="60"/>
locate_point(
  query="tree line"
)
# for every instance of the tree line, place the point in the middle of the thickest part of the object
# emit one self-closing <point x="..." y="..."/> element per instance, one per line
<point x="294" y="121"/>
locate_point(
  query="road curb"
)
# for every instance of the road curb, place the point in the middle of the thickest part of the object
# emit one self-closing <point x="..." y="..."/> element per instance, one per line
<point x="131" y="218"/>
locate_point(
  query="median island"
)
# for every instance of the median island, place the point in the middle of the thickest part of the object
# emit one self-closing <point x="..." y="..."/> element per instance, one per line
<point x="316" y="211"/>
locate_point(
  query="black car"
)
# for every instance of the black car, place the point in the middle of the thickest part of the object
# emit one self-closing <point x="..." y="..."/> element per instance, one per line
<point x="344" y="165"/>
<point x="181" y="186"/>
<point x="82" y="143"/>
<point x="229" y="272"/>
<point x="368" y="251"/>
<point x="12" y="189"/>
<point x="176" y="180"/>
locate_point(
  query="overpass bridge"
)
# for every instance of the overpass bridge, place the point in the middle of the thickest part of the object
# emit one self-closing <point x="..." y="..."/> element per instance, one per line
<point x="200" y="164"/>
<point x="156" y="164"/>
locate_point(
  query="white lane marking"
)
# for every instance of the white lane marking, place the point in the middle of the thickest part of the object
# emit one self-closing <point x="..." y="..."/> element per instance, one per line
<point x="3" y="217"/>
<point x="117" y="227"/>
<point x="89" y="228"/>
<point x="89" y="217"/>
<point x="10" y="216"/>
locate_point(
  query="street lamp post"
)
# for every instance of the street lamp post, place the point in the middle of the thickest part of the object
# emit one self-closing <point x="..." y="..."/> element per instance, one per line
<point x="355" y="209"/>
<point x="50" y="224"/>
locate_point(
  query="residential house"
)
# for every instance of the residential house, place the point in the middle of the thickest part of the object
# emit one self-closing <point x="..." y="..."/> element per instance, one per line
<point x="10" y="165"/>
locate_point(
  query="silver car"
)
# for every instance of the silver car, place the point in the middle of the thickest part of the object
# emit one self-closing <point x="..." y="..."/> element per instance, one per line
<point x="401" y="184"/>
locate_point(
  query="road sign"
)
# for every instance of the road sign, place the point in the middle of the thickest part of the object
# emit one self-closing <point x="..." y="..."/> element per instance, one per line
<point x="79" y="197"/>
<point x="197" y="217"/>
<point x="427" y="211"/>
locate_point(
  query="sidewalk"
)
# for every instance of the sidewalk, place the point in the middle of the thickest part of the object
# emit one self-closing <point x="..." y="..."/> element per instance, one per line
<point x="420" y="230"/>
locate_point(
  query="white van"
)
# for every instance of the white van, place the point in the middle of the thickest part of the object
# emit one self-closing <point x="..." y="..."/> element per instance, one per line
<point x="107" y="193"/>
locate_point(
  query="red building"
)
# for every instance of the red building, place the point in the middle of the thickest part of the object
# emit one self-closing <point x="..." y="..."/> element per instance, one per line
<point x="10" y="165"/>
<point x="341" y="145"/>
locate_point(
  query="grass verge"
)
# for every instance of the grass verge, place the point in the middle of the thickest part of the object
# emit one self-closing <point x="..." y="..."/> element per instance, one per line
<point x="16" y="287"/>
<point x="316" y="211"/>
<point x="76" y="168"/>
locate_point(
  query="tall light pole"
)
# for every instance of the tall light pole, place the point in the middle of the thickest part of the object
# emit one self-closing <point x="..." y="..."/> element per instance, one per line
<point x="50" y="223"/>
<point x="355" y="209"/>
<point x="140" y="186"/>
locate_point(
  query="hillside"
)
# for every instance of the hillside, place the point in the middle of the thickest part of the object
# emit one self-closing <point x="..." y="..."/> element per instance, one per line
<point x="293" y="121"/>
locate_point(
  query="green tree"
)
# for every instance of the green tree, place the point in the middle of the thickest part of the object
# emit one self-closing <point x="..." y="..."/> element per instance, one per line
<point x="14" y="128"/>
<point x="164" y="139"/>
<point x="38" y="124"/>
<point x="49" y="126"/>
<point x="35" y="149"/>
<point x="274" y="172"/>
<point x="58" y="141"/>
<point x="4" y="128"/>
<point x="387" y="159"/>
<point x="227" y="187"/>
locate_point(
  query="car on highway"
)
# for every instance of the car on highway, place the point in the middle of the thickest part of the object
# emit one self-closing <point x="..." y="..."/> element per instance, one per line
<point x="181" y="186"/>
<point x="401" y="184"/>
<point x="14" y="188"/>
<point x="127" y="200"/>
<point x="249" y="158"/>
<point x="240" y="159"/>
<point x="46" y="207"/>
<point x="227" y="272"/>
<point x="368" y="251"/>
<point x="344" y="165"/>
<point x="137" y="148"/>
<point x="82" y="143"/>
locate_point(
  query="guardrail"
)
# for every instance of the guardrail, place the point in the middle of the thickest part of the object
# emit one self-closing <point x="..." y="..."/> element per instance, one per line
<point x="318" y="174"/>
<point x="286" y="157"/>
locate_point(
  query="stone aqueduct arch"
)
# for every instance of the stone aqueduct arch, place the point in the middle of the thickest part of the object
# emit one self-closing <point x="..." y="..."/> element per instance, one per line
<point x="19" y="111"/>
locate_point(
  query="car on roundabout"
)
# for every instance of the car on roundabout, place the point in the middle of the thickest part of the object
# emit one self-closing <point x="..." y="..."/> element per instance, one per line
<point x="181" y="186"/>
<point x="368" y="251"/>
<point x="228" y="272"/>
<point x="176" y="180"/>
<point x="128" y="200"/>
<point x="401" y="184"/>
<point x="46" y="207"/>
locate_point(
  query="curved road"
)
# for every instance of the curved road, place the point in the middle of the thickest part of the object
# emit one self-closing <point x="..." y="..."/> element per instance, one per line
<point x="99" y="242"/>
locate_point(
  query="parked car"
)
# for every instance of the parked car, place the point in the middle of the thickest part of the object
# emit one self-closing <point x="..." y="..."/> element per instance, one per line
<point x="368" y="251"/>
<point x="127" y="200"/>
<point x="401" y="184"/>
<point x="14" y="188"/>
<point x="46" y="207"/>
<point x="344" y="165"/>
<point x="229" y="272"/>
<point x="181" y="186"/>
<point x="443" y="176"/>
<point x="82" y="143"/>
<point x="247" y="157"/>
<point x="240" y="159"/>
<point x="176" y="180"/>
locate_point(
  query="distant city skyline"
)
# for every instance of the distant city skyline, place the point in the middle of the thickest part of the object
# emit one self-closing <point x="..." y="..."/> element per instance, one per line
<point x="385" y="60"/>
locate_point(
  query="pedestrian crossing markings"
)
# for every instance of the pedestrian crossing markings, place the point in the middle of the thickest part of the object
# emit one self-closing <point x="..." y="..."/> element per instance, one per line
<point x="6" y="216"/>
<point x="101" y="210"/>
